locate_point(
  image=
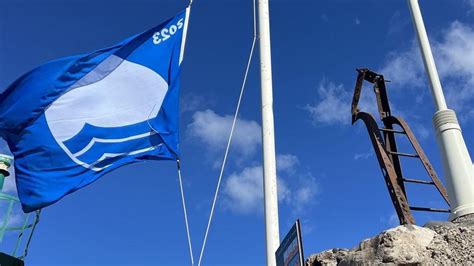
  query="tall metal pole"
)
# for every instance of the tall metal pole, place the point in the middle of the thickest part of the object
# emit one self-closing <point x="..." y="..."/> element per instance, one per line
<point x="457" y="164"/>
<point x="269" y="163"/>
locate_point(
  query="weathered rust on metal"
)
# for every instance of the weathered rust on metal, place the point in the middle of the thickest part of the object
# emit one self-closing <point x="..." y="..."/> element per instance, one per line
<point x="384" y="111"/>
<point x="424" y="159"/>
<point x="396" y="193"/>
<point x="357" y="91"/>
<point x="385" y="147"/>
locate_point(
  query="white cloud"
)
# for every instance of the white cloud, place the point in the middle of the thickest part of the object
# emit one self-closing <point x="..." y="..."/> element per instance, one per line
<point x="306" y="191"/>
<point x="398" y="23"/>
<point x="287" y="163"/>
<point x="456" y="51"/>
<point x="333" y="105"/>
<point x="403" y="68"/>
<point x="213" y="130"/>
<point x="390" y="220"/>
<point x="363" y="155"/>
<point x="334" y="102"/>
<point x="421" y="132"/>
<point x="456" y="65"/>
<point x="191" y="102"/>
<point x="243" y="191"/>
<point x="324" y="18"/>
<point x="470" y="3"/>
<point x="454" y="55"/>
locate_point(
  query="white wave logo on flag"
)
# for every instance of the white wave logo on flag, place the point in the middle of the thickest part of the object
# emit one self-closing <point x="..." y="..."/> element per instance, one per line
<point x="104" y="116"/>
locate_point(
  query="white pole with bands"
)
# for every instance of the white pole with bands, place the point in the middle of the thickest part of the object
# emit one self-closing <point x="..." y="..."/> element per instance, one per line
<point x="457" y="164"/>
<point x="269" y="161"/>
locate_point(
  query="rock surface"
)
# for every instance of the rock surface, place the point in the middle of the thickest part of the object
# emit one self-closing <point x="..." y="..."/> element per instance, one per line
<point x="437" y="243"/>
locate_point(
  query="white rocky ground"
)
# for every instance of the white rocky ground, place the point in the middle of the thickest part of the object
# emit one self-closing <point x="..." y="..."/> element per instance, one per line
<point x="437" y="243"/>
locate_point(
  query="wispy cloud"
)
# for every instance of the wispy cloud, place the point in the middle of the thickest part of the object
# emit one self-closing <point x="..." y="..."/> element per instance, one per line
<point x="243" y="191"/>
<point x="324" y="17"/>
<point x="305" y="192"/>
<point x="454" y="54"/>
<point x="398" y="23"/>
<point x="299" y="188"/>
<point x="390" y="220"/>
<point x="470" y="3"/>
<point x="421" y="131"/>
<point x="332" y="106"/>
<point x="191" y="102"/>
<point x="287" y="163"/>
<point x="403" y="68"/>
<point x="213" y="130"/>
<point x="456" y="63"/>
<point x="357" y="21"/>
<point x="363" y="155"/>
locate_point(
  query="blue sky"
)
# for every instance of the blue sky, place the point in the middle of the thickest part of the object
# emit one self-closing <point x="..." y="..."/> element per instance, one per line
<point x="328" y="175"/>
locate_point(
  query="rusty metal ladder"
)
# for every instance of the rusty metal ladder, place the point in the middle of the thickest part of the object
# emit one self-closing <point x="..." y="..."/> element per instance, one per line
<point x="385" y="146"/>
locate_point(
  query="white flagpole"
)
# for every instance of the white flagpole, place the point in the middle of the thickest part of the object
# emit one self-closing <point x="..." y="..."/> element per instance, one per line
<point x="457" y="164"/>
<point x="269" y="162"/>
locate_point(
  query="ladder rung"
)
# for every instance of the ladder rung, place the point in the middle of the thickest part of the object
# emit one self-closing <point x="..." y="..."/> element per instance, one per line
<point x="418" y="181"/>
<point x="404" y="154"/>
<point x="392" y="130"/>
<point x="428" y="209"/>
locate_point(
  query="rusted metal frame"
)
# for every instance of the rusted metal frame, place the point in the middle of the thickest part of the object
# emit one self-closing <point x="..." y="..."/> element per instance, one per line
<point x="392" y="130"/>
<point x="386" y="148"/>
<point x="403" y="154"/>
<point x="418" y="181"/>
<point x="389" y="133"/>
<point x="424" y="159"/>
<point x="389" y="121"/>
<point x="382" y="97"/>
<point x="357" y="92"/>
<point x="393" y="154"/>
<point x="424" y="209"/>
<point x="380" y="90"/>
<point x="396" y="193"/>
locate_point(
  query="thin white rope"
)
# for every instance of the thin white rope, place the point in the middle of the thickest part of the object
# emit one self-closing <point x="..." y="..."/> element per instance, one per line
<point x="185" y="213"/>
<point x="183" y="200"/>
<point x="242" y="89"/>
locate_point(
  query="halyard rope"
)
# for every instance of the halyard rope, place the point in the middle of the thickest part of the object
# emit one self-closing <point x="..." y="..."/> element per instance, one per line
<point x="183" y="201"/>
<point x="242" y="89"/>
<point x="185" y="213"/>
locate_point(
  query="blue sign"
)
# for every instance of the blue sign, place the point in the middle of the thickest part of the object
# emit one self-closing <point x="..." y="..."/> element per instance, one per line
<point x="290" y="252"/>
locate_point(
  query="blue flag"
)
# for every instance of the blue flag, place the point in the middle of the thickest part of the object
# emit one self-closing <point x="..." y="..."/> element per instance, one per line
<point x="72" y="120"/>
